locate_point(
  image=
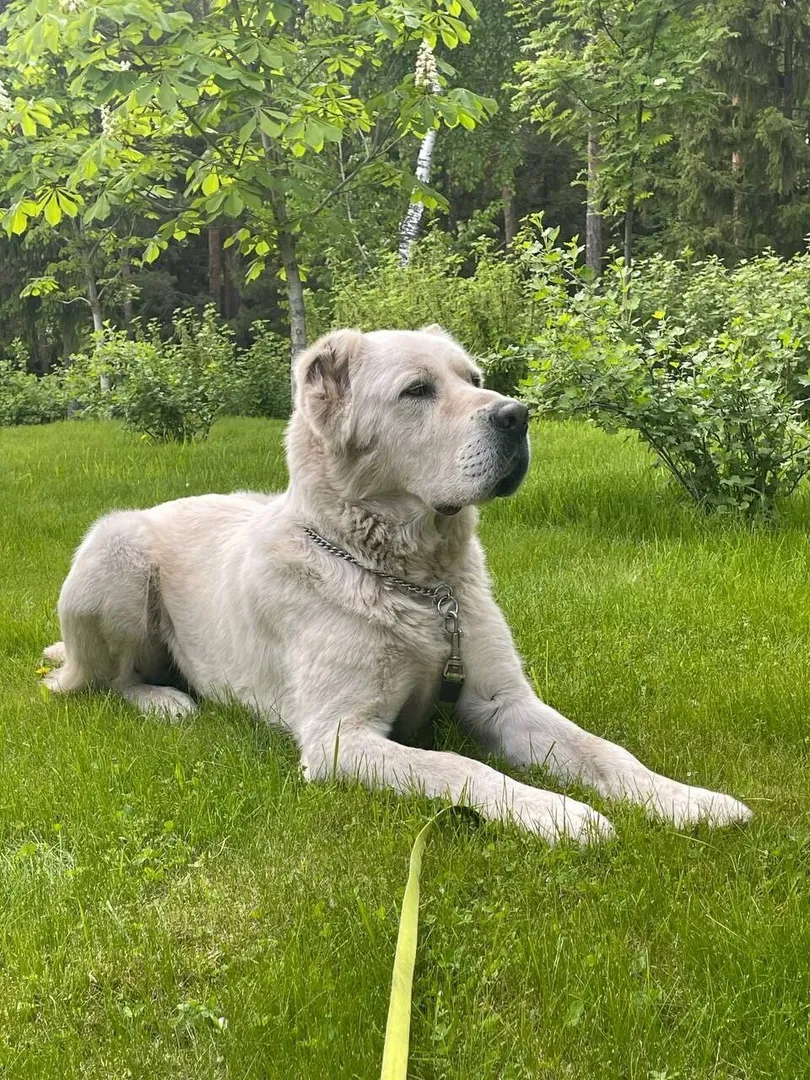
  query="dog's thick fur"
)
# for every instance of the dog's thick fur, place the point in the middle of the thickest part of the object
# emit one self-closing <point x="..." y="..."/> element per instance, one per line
<point x="392" y="443"/>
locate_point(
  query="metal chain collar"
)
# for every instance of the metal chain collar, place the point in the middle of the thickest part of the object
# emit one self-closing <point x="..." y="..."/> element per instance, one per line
<point x="442" y="596"/>
<point x="399" y="583"/>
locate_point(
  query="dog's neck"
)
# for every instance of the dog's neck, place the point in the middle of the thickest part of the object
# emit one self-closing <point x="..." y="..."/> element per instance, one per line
<point x="395" y="533"/>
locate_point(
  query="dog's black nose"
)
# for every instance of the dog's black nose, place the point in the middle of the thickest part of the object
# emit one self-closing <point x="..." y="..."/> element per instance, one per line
<point x="510" y="416"/>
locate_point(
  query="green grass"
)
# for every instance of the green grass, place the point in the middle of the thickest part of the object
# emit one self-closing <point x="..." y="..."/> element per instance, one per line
<point x="156" y="878"/>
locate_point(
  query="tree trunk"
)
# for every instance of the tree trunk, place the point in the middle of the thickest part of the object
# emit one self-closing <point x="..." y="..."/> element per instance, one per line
<point x="629" y="215"/>
<point x="215" y="274"/>
<point x="295" y="291"/>
<point x="409" y="230"/>
<point x="593" y="219"/>
<point x="231" y="293"/>
<point x="98" y="321"/>
<point x="736" y="171"/>
<point x="93" y="300"/>
<point x="128" y="309"/>
<point x="289" y="257"/>
<point x="787" y="107"/>
<point x="509" y="216"/>
<point x="427" y="77"/>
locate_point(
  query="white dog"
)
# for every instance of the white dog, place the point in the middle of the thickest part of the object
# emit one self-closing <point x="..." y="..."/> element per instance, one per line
<point x="333" y="609"/>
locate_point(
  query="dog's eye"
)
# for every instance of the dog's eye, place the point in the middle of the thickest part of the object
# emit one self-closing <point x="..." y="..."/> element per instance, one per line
<point x="419" y="389"/>
<point x="475" y="379"/>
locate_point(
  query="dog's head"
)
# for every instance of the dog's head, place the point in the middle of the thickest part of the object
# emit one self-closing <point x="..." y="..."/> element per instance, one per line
<point x="405" y="412"/>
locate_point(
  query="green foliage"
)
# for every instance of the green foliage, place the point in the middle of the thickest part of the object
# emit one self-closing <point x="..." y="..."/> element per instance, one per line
<point x="138" y="382"/>
<point x="130" y="129"/>
<point x="504" y="368"/>
<point x="763" y="299"/>
<point x="486" y="163"/>
<point x="697" y="112"/>
<point x="627" y="72"/>
<point x="173" y="391"/>
<point x="487" y="311"/>
<point x="168" y="391"/>
<point x="26" y="398"/>
<point x="239" y="107"/>
<point x="739" y="179"/>
<point x="718" y="407"/>
<point x="258" y="379"/>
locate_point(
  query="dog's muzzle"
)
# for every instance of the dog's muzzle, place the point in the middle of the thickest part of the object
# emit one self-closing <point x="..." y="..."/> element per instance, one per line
<point x="511" y="422"/>
<point x="507" y="451"/>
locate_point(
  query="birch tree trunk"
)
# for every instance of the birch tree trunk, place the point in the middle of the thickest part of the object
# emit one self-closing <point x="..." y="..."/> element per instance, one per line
<point x="93" y="300"/>
<point x="426" y="76"/>
<point x="287" y="247"/>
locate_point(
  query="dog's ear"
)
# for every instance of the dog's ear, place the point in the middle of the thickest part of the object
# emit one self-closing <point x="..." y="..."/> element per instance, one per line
<point x="439" y="331"/>
<point x="323" y="378"/>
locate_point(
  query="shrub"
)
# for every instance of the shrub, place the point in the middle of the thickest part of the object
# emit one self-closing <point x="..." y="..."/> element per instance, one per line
<point x="169" y="391"/>
<point x="723" y="413"/>
<point x="174" y="390"/>
<point x="489" y="312"/>
<point x="258" y="381"/>
<point x="707" y="297"/>
<point x="504" y="368"/>
<point x="26" y="398"/>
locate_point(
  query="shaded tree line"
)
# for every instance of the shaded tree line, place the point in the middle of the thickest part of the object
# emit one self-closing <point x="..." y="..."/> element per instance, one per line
<point x="161" y="155"/>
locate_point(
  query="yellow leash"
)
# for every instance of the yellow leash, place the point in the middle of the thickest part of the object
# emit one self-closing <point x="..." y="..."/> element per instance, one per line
<point x="398" y="1028"/>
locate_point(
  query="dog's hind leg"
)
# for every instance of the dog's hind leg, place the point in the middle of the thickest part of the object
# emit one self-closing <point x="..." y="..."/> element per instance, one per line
<point x="109" y="609"/>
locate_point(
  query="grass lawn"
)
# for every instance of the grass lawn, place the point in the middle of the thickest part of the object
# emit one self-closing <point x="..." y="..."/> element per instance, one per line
<point x="156" y="879"/>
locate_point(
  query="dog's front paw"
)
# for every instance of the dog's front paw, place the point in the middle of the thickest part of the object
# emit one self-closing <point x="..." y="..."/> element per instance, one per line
<point x="55" y="654"/>
<point x="165" y="701"/>
<point x="684" y="805"/>
<point x="556" y="817"/>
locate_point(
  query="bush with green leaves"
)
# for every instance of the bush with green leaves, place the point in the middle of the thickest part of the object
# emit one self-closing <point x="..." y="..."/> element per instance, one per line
<point x="756" y="297"/>
<point x="173" y="391"/>
<point x="258" y="379"/>
<point x="488" y="311"/>
<point x="26" y="398"/>
<point x="723" y="412"/>
<point x="168" y="391"/>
